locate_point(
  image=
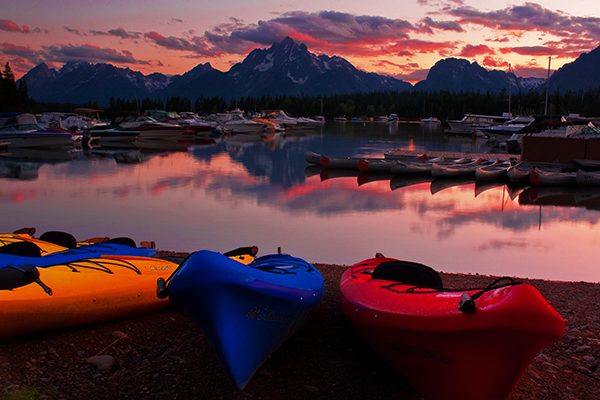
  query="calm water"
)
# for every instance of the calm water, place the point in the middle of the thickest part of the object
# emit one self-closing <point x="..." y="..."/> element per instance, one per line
<point x="233" y="193"/>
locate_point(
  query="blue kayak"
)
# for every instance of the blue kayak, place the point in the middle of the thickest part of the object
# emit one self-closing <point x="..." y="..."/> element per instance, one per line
<point x="245" y="311"/>
<point x="88" y="251"/>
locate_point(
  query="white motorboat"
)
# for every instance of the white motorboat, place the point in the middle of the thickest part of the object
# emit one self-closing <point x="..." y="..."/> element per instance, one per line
<point x="430" y="120"/>
<point x="148" y="127"/>
<point x="236" y="121"/>
<point x="471" y="122"/>
<point x="22" y="130"/>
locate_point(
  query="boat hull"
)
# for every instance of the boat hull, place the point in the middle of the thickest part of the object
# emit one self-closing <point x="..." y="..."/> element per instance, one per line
<point x="541" y="178"/>
<point x="83" y="292"/>
<point x="587" y="178"/>
<point x="245" y="311"/>
<point x="443" y="352"/>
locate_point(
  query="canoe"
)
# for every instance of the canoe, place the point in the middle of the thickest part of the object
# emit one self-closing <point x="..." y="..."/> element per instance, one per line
<point x="374" y="165"/>
<point x="78" y="292"/>
<point x="312" y="158"/>
<point x="332" y="162"/>
<point x="400" y="167"/>
<point x="448" y="344"/>
<point x="522" y="170"/>
<point x="60" y="257"/>
<point x="540" y="177"/>
<point x="587" y="178"/>
<point x="245" y="311"/>
<point x="454" y="170"/>
<point x="491" y="172"/>
<point x="384" y="165"/>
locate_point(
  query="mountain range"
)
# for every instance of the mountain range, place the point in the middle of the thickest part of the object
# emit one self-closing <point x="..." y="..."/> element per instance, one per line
<point x="286" y="69"/>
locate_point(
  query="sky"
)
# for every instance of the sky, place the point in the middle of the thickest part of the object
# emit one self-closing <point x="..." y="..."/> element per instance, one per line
<point x="400" y="38"/>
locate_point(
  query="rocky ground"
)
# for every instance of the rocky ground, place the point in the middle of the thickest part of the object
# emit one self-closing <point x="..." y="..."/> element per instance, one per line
<point x="163" y="355"/>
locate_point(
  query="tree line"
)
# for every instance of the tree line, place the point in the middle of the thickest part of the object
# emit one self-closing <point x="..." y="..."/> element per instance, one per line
<point x="407" y="105"/>
<point x="13" y="97"/>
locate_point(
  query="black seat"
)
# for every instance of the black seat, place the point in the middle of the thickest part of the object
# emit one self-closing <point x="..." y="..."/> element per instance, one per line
<point x="63" y="239"/>
<point x="26" y="249"/>
<point x="122" y="240"/>
<point x="409" y="273"/>
<point x="14" y="277"/>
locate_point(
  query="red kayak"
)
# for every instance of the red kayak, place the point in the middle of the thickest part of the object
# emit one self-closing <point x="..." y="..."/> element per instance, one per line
<point x="449" y="344"/>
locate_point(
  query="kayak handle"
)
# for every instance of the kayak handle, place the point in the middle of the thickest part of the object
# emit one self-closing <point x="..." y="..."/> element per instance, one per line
<point x="466" y="303"/>
<point x="162" y="292"/>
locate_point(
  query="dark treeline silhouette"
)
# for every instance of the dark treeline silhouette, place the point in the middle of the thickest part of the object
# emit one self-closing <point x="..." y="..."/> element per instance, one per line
<point x="407" y="105"/>
<point x="13" y="97"/>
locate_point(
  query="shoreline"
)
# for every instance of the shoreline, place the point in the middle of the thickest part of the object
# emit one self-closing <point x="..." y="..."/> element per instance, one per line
<point x="164" y="355"/>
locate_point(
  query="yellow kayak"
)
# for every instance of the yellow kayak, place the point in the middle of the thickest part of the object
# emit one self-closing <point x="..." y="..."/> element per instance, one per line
<point x="22" y="242"/>
<point x="79" y="292"/>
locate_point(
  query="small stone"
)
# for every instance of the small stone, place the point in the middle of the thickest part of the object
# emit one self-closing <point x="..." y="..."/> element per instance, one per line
<point x="103" y="363"/>
<point x="119" y="334"/>
<point x="310" y="388"/>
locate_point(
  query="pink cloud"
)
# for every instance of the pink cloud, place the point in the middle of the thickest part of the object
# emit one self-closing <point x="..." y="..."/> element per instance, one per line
<point x="10" y="26"/>
<point x="472" y="51"/>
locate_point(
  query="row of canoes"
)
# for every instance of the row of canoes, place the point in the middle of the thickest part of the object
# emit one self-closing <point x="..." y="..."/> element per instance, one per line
<point x="247" y="307"/>
<point x="481" y="170"/>
<point x="438" y="167"/>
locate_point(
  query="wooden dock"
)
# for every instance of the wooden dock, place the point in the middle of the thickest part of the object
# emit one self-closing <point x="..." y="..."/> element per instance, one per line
<point x="403" y="154"/>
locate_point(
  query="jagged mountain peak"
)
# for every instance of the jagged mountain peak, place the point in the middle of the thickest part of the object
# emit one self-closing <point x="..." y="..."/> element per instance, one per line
<point x="286" y="68"/>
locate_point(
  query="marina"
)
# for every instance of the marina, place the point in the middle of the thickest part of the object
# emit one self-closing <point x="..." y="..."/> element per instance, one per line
<point x="225" y="193"/>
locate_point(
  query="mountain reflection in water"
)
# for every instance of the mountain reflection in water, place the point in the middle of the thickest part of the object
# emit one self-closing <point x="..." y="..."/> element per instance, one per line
<point x="238" y="191"/>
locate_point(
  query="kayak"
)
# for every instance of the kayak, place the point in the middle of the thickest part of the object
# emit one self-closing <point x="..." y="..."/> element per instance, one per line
<point x="245" y="311"/>
<point x="448" y="344"/>
<point x="79" y="292"/>
<point x="20" y="242"/>
<point x="88" y="251"/>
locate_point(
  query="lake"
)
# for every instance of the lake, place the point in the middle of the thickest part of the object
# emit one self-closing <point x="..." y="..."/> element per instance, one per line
<point x="239" y="192"/>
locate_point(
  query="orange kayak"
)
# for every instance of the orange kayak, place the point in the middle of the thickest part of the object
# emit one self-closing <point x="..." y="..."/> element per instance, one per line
<point x="448" y="344"/>
<point x="78" y="292"/>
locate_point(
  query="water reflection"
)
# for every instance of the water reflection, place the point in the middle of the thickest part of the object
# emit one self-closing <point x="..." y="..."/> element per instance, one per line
<point x="229" y="192"/>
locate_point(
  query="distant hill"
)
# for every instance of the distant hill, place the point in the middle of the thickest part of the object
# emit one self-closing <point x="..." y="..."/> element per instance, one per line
<point x="286" y="68"/>
<point x="80" y="81"/>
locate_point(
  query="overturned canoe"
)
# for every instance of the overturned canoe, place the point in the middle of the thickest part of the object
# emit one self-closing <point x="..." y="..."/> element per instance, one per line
<point x="245" y="311"/>
<point x="437" y="339"/>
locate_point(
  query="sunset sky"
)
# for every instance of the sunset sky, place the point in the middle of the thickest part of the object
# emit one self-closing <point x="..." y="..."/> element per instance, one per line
<point x="393" y="37"/>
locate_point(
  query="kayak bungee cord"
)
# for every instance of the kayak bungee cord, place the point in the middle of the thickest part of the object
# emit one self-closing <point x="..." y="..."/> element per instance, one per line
<point x="467" y="301"/>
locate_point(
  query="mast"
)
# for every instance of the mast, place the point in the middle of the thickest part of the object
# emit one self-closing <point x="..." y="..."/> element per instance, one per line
<point x="547" y="84"/>
<point x="509" y="85"/>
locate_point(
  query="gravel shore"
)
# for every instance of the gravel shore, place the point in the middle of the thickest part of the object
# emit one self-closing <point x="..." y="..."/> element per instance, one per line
<point x="163" y="355"/>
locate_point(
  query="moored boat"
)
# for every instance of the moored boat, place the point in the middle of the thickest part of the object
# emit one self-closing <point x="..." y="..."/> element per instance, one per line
<point x="587" y="178"/>
<point x="19" y="129"/>
<point x="401" y="167"/>
<point x="539" y="177"/>
<point x="434" y="336"/>
<point x="245" y="311"/>
<point x="491" y="172"/>
<point x="454" y="169"/>
<point x="78" y="292"/>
